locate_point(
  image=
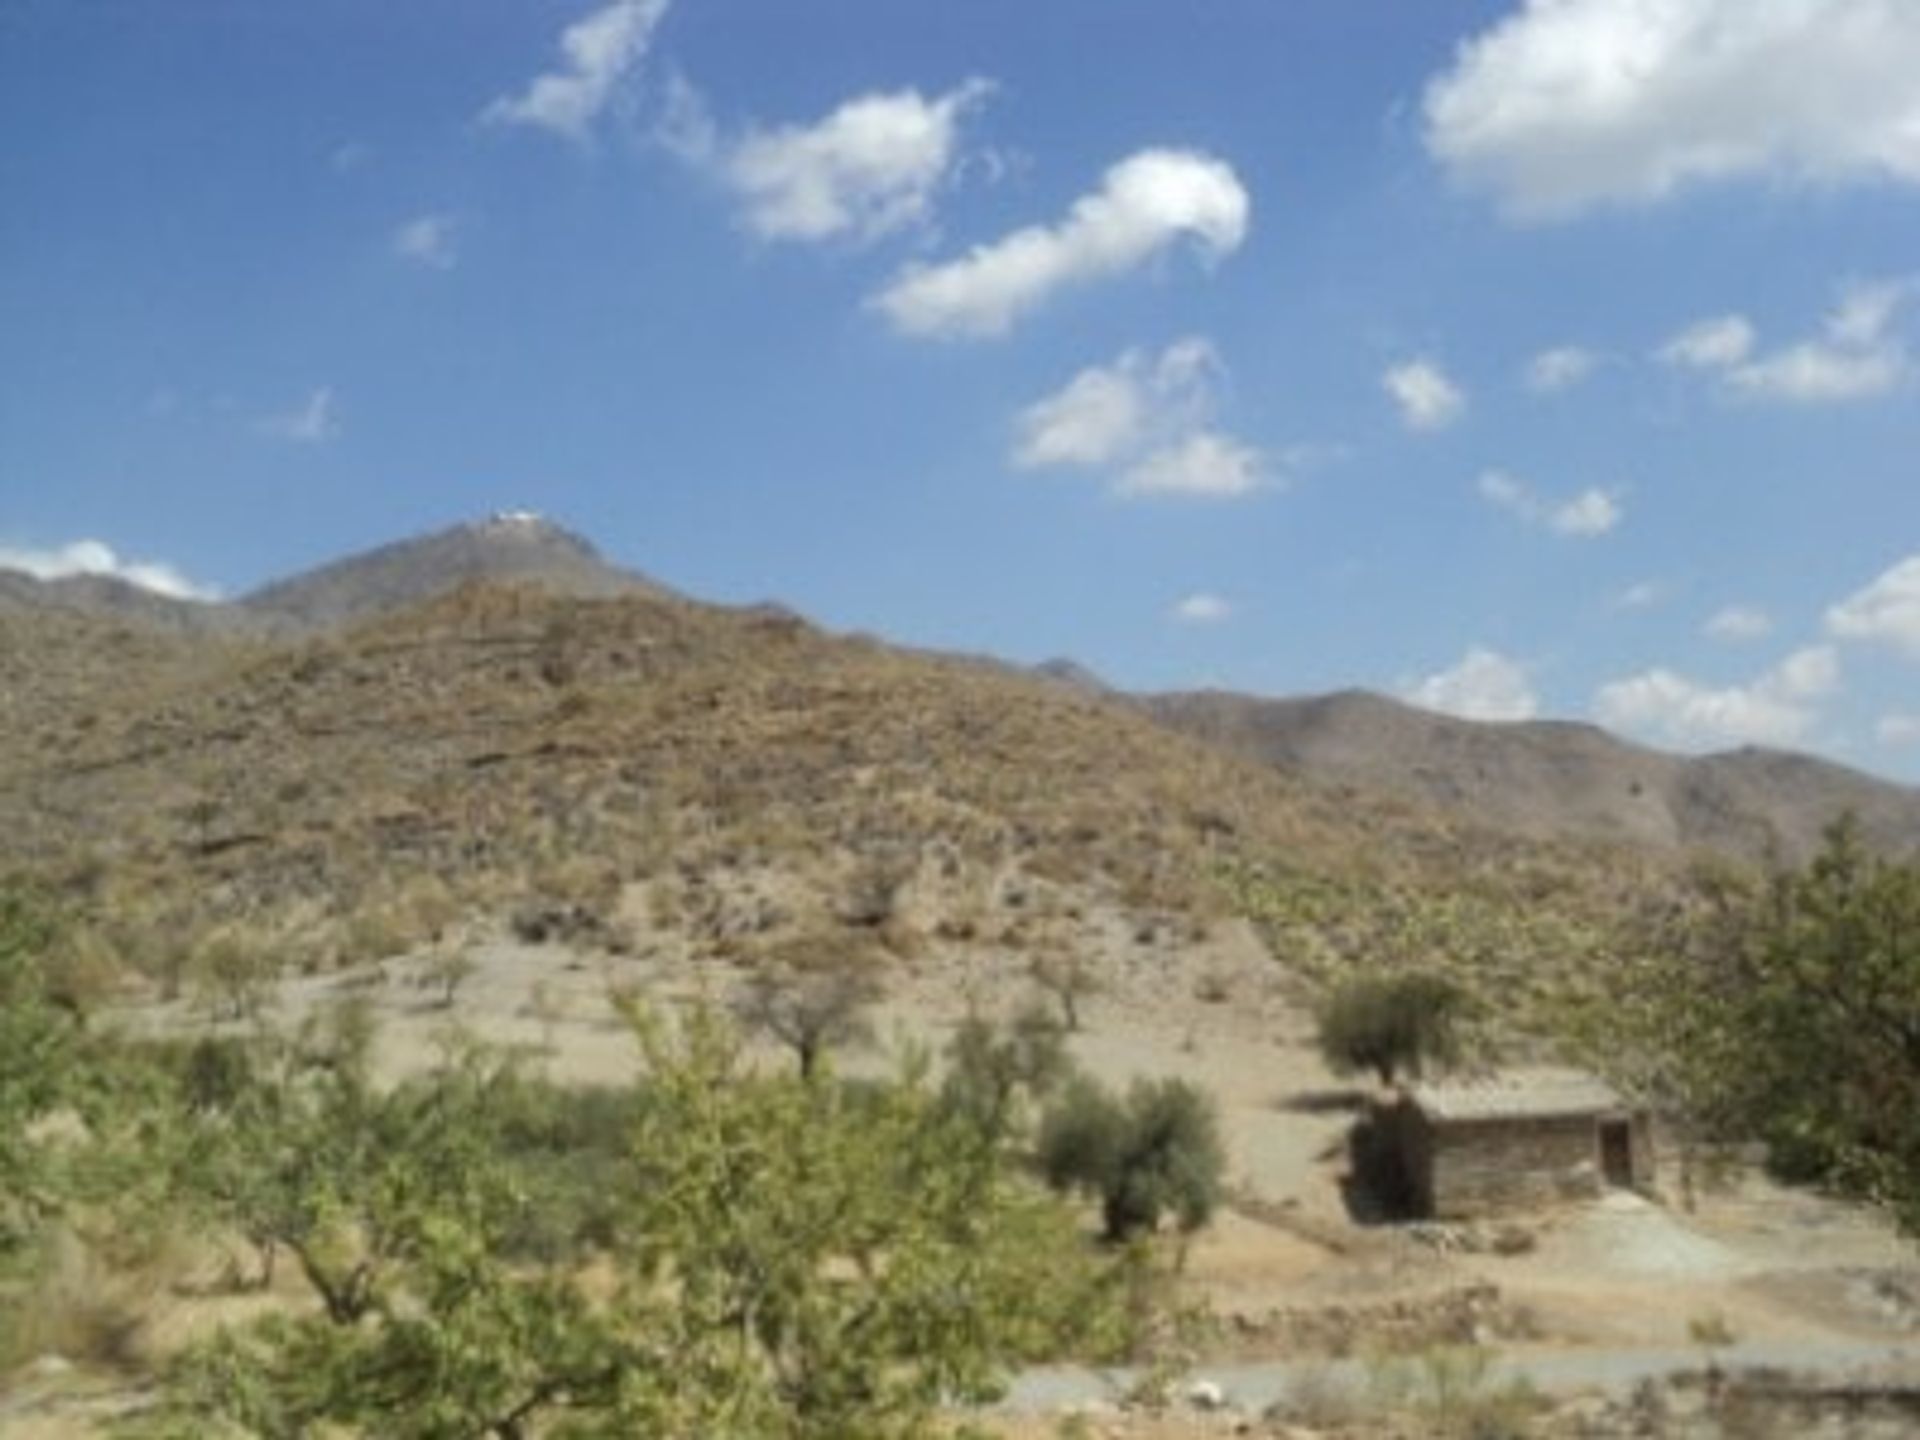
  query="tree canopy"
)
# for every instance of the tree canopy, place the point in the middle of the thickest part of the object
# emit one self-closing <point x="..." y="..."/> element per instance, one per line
<point x="1786" y="1009"/>
<point x="1392" y="1024"/>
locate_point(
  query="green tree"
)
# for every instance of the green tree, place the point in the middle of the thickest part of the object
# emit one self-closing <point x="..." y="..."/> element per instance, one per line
<point x="795" y="1258"/>
<point x="1158" y="1152"/>
<point x="1787" y="1010"/>
<point x="1392" y="1024"/>
<point x="995" y="1072"/>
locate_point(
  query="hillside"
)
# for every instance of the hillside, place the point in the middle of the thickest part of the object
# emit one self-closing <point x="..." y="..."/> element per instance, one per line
<point x="499" y="723"/>
<point x="350" y="794"/>
<point x="1552" y="778"/>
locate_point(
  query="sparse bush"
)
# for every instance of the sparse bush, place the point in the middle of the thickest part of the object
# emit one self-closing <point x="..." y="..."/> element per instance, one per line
<point x="811" y="995"/>
<point x="992" y="1069"/>
<point x="1066" y="975"/>
<point x="446" y="970"/>
<point x="1391" y="1024"/>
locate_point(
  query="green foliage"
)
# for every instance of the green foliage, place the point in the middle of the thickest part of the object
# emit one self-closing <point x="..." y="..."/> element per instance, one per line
<point x="1787" y="1011"/>
<point x="39" y="1052"/>
<point x="793" y="1258"/>
<point x="1391" y="1024"/>
<point x="994" y="1072"/>
<point x="1158" y="1152"/>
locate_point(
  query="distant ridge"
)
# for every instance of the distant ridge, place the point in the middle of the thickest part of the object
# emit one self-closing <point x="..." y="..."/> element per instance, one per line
<point x="111" y="597"/>
<point x="510" y="545"/>
<point x="1553" y="779"/>
<point x="1544" y="780"/>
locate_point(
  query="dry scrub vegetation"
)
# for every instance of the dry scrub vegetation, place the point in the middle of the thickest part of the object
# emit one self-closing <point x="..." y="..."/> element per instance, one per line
<point x="214" y="803"/>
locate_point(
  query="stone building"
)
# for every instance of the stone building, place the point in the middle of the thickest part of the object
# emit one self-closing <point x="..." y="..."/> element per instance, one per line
<point x="1461" y="1149"/>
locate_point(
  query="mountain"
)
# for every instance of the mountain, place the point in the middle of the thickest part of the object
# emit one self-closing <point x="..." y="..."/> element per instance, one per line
<point x="1552" y="778"/>
<point x="709" y="780"/>
<point x="109" y="596"/>
<point x="513" y="545"/>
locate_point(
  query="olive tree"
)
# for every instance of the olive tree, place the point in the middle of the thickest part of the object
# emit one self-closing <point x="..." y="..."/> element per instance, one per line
<point x="1392" y="1024"/>
<point x="1155" y="1152"/>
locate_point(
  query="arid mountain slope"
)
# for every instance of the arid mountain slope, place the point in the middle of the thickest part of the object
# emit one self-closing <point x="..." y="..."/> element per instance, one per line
<point x="511" y="546"/>
<point x="345" y="795"/>
<point x="1548" y="778"/>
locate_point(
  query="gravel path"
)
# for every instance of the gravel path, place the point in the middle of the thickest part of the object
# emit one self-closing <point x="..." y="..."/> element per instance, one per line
<point x="1615" y="1372"/>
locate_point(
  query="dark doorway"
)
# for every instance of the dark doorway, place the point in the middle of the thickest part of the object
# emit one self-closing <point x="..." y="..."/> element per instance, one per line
<point x="1616" y="1153"/>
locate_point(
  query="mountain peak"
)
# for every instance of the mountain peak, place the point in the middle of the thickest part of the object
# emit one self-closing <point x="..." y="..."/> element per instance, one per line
<point x="512" y="545"/>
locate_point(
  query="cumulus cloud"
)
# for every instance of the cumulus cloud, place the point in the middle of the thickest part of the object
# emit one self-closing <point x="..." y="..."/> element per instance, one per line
<point x="1718" y="343"/>
<point x="1738" y="622"/>
<point x="1591" y="513"/>
<point x="1857" y="354"/>
<point x="1203" y="608"/>
<point x="1560" y="368"/>
<point x="96" y="557"/>
<point x="597" y="52"/>
<point x="427" y="240"/>
<point x="1886" y="611"/>
<point x="312" y="423"/>
<point x="1147" y="420"/>
<point x="1566" y="105"/>
<point x="1484" y="685"/>
<point x="1146" y="204"/>
<point x="1205" y="464"/>
<point x="1427" y="398"/>
<point x="870" y="167"/>
<point x="1778" y="708"/>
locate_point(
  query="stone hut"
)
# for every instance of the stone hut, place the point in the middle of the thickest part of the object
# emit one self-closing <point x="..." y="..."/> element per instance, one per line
<point x="1469" y="1148"/>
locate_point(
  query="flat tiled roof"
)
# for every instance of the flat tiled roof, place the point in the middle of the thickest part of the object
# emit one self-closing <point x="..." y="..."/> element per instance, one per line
<point x="1515" y="1095"/>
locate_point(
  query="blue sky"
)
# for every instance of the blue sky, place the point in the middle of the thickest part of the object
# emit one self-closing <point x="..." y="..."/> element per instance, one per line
<point x="1553" y="359"/>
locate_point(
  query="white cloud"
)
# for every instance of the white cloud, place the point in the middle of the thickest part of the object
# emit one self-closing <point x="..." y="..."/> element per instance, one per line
<point x="1566" y="105"/>
<point x="1203" y="608"/>
<point x="1560" y="368"/>
<point x="1856" y="355"/>
<point x="1428" y="400"/>
<point x="1107" y="410"/>
<point x="427" y="240"/>
<point x="1205" y="464"/>
<point x="313" y="423"/>
<point x="1641" y="595"/>
<point x="1887" y="610"/>
<point x="1818" y="373"/>
<point x="598" y="51"/>
<point x="869" y="168"/>
<point x="96" y="557"/>
<point x="1713" y="344"/>
<point x="1591" y="513"/>
<point x="1778" y="708"/>
<point x="1146" y="204"/>
<point x="1147" y="418"/>
<point x="1738" y="622"/>
<point x="1897" y="730"/>
<point x="1484" y="685"/>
